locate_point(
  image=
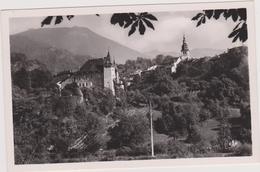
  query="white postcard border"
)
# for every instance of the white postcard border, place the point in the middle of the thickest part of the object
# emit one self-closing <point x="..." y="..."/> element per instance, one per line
<point x="140" y="163"/>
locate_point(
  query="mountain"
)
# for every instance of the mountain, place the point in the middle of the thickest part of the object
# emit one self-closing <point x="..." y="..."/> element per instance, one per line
<point x="154" y="53"/>
<point x="19" y="61"/>
<point x="28" y="73"/>
<point x="196" y="53"/>
<point x="55" y="59"/>
<point x="76" y="40"/>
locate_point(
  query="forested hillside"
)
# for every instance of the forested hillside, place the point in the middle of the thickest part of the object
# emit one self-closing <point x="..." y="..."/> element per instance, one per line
<point x="202" y="110"/>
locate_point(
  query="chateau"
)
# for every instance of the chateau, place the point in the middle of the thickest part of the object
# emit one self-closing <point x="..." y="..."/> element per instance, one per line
<point x="100" y="72"/>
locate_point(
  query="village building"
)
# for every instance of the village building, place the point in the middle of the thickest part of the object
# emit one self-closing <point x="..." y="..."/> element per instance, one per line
<point x="100" y="72"/>
<point x="172" y="68"/>
<point x="185" y="55"/>
<point x="185" y="52"/>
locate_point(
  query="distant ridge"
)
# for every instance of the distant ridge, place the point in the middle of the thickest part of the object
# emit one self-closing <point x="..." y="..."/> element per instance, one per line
<point x="78" y="41"/>
<point x="196" y="53"/>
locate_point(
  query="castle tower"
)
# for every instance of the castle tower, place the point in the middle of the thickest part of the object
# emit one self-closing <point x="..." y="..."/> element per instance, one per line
<point x="185" y="52"/>
<point x="109" y="73"/>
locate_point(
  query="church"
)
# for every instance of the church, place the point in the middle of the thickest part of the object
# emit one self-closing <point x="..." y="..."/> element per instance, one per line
<point x="185" y="55"/>
<point x="100" y="72"/>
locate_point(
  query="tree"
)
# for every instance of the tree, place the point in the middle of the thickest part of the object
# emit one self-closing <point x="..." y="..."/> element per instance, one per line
<point x="31" y="124"/>
<point x="130" y="131"/>
<point x="99" y="100"/>
<point x="92" y="126"/>
<point x="245" y="115"/>
<point x="224" y="137"/>
<point x="125" y="20"/>
<point x="22" y="79"/>
<point x="238" y="15"/>
<point x="142" y="20"/>
<point x="40" y="78"/>
<point x="177" y="149"/>
<point x="179" y="120"/>
<point x="194" y="134"/>
<point x="76" y="133"/>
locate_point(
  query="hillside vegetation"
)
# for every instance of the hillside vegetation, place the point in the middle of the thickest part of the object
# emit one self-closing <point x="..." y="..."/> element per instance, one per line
<point x="202" y="110"/>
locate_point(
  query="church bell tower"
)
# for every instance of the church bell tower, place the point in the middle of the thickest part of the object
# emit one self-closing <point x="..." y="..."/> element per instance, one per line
<point x="109" y="73"/>
<point x="185" y="52"/>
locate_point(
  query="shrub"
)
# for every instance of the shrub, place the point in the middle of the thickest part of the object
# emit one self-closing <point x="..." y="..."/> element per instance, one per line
<point x="124" y="151"/>
<point x="204" y="115"/>
<point x="245" y="135"/>
<point x="194" y="135"/>
<point x="66" y="93"/>
<point x="201" y="147"/>
<point x="109" y="155"/>
<point x="177" y="149"/>
<point x="243" y="150"/>
<point x="143" y="149"/>
<point x="130" y="131"/>
<point x="161" y="148"/>
<point x="224" y="137"/>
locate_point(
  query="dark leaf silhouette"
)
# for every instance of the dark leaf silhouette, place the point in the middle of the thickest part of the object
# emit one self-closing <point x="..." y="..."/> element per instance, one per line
<point x="242" y="14"/>
<point x="243" y="35"/>
<point x="209" y="13"/>
<point x="234" y="33"/>
<point x="227" y="14"/>
<point x="234" y="15"/>
<point x="58" y="19"/>
<point x="240" y="30"/>
<point x="235" y="38"/>
<point x="240" y="33"/>
<point x="133" y="28"/>
<point x="203" y="19"/>
<point x="148" y="23"/>
<point x="197" y="16"/>
<point x="141" y="27"/>
<point x="199" y="23"/>
<point x="114" y="19"/>
<point x="133" y="16"/>
<point x="47" y="21"/>
<point x="150" y="16"/>
<point x="217" y="13"/>
<point x="69" y="17"/>
<point x="133" y="21"/>
<point x="124" y="20"/>
<point x="235" y="28"/>
<point x="128" y="23"/>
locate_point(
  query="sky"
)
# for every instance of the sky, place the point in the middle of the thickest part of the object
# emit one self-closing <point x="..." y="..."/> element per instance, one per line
<point x="167" y="36"/>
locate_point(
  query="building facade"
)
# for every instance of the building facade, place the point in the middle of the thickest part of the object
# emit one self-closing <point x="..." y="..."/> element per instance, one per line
<point x="185" y="55"/>
<point x="101" y="72"/>
<point x="185" y="52"/>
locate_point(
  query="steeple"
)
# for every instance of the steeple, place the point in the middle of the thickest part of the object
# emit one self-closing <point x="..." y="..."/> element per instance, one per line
<point x="107" y="60"/>
<point x="185" y="49"/>
<point x="108" y="54"/>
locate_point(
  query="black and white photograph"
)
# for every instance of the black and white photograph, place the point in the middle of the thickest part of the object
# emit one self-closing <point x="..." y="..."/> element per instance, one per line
<point x="127" y="86"/>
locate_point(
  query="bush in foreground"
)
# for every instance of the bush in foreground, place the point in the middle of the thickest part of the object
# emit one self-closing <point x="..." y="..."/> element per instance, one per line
<point x="131" y="131"/>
